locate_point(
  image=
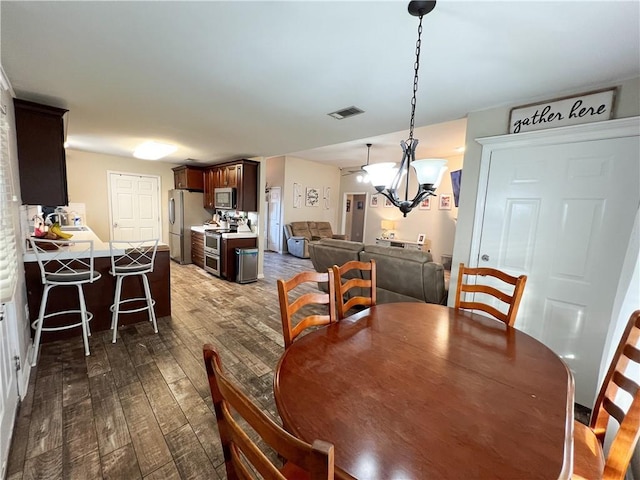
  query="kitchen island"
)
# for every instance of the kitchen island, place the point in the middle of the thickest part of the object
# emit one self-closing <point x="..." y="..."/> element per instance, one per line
<point x="99" y="294"/>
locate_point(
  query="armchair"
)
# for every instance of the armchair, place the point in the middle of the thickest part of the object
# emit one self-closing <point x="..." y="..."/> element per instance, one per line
<point x="299" y="234"/>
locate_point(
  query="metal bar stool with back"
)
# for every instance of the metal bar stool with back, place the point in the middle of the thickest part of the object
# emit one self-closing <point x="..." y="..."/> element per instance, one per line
<point x="137" y="260"/>
<point x="63" y="264"/>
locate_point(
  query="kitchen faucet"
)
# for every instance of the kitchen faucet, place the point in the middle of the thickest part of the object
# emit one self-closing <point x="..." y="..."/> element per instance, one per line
<point x="60" y="216"/>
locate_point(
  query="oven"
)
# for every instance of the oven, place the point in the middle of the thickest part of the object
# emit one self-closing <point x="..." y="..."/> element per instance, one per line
<point x="212" y="249"/>
<point x="212" y="264"/>
<point x="212" y="242"/>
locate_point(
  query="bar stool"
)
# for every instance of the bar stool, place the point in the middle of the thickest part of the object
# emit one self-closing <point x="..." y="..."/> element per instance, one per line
<point x="136" y="260"/>
<point x="63" y="265"/>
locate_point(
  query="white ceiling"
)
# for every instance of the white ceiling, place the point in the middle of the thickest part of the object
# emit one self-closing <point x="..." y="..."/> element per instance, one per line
<point x="225" y="80"/>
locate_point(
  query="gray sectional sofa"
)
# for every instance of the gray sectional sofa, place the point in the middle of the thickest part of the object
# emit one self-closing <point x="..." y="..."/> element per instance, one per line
<point x="402" y="275"/>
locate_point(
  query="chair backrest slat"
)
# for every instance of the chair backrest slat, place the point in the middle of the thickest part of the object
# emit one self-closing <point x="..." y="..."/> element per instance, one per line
<point x="316" y="459"/>
<point x="512" y="301"/>
<point x="289" y="309"/>
<point x="610" y="404"/>
<point x="366" y="270"/>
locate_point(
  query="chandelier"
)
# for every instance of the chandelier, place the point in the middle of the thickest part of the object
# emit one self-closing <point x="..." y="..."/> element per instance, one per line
<point x="387" y="177"/>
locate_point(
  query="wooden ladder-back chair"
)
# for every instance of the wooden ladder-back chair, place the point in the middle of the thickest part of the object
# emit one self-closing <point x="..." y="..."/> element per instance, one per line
<point x="512" y="300"/>
<point x="363" y="283"/>
<point x="304" y="461"/>
<point x="288" y="310"/>
<point x="588" y="441"/>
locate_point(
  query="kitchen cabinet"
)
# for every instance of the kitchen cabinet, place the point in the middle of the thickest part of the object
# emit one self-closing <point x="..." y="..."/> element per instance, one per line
<point x="197" y="248"/>
<point x="41" y="155"/>
<point x="209" y="185"/>
<point x="228" y="255"/>
<point x="241" y="175"/>
<point x="187" y="177"/>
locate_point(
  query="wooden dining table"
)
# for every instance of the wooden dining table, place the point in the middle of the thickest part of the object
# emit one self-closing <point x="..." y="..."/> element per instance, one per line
<point x="422" y="391"/>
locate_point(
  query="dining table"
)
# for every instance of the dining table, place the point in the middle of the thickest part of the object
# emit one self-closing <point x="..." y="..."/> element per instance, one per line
<point x="423" y="391"/>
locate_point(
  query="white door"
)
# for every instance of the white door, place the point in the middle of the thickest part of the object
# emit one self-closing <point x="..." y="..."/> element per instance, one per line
<point x="8" y="381"/>
<point x="134" y="206"/>
<point x="274" y="229"/>
<point x="562" y="214"/>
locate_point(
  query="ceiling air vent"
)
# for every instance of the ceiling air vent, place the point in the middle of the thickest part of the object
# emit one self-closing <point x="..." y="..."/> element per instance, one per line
<point x="345" y="112"/>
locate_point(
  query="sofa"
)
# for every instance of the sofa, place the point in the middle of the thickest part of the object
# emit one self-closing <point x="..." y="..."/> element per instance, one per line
<point x="300" y="234"/>
<point x="402" y="275"/>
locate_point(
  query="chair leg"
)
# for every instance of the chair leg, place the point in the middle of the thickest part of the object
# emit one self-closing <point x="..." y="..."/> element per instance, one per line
<point x="152" y="313"/>
<point x="116" y="308"/>
<point x="84" y="320"/>
<point x="43" y="306"/>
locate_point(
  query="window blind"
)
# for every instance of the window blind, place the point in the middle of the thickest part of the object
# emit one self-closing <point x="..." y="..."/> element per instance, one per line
<point x="8" y="256"/>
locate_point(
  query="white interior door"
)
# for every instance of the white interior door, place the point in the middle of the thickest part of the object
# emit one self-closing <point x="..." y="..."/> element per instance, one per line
<point x="562" y="214"/>
<point x="8" y="381"/>
<point x="274" y="229"/>
<point x="134" y="206"/>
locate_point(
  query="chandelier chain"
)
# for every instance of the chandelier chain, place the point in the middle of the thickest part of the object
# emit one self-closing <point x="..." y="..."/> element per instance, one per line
<point x="416" y="67"/>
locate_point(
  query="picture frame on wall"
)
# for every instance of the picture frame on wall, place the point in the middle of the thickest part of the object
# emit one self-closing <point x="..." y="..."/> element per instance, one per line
<point x="445" y="201"/>
<point x="312" y="197"/>
<point x="421" y="238"/>
<point x="373" y="201"/>
<point x="425" y="204"/>
<point x="297" y="195"/>
<point x="387" y="203"/>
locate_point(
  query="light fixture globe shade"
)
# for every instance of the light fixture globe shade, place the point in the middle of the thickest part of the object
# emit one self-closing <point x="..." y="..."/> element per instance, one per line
<point x="381" y="174"/>
<point x="430" y="171"/>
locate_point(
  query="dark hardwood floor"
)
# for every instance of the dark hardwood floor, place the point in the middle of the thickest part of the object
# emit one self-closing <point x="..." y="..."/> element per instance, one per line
<point x="141" y="408"/>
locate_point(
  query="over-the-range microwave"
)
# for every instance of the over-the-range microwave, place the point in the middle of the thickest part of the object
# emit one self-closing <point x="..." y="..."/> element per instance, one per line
<point x="224" y="198"/>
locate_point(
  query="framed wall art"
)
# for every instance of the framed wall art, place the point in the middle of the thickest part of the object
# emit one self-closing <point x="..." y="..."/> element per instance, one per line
<point x="445" y="201"/>
<point x="425" y="204"/>
<point x="312" y="197"/>
<point x="373" y="201"/>
<point x="387" y="203"/>
<point x="297" y="195"/>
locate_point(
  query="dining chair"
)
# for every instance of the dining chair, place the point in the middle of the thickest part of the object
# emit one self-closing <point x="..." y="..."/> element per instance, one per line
<point x="616" y="391"/>
<point x="303" y="460"/>
<point x="288" y="309"/>
<point x="513" y="300"/>
<point x="353" y="282"/>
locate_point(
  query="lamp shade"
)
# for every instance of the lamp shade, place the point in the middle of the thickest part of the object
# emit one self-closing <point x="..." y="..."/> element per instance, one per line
<point x="387" y="225"/>
<point x="430" y="170"/>
<point x="381" y="174"/>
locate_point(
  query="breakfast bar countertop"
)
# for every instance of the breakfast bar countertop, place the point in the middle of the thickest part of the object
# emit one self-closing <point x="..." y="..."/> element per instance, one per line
<point x="100" y="248"/>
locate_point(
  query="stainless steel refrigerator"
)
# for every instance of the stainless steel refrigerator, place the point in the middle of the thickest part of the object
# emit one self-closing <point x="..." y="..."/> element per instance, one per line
<point x="185" y="209"/>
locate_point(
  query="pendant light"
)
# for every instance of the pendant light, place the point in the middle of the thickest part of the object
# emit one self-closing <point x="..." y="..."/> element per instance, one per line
<point x="387" y="177"/>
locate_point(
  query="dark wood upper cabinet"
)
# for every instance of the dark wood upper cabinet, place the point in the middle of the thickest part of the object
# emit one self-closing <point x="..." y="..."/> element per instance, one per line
<point x="186" y="177"/>
<point x="241" y="175"/>
<point x="41" y="156"/>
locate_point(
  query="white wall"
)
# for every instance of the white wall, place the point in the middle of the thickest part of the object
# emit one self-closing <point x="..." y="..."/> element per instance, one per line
<point x="438" y="225"/>
<point x="87" y="183"/>
<point x="310" y="174"/>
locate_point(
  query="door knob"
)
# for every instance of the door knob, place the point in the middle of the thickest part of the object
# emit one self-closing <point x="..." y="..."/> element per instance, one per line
<point x="115" y="225"/>
<point x="484" y="258"/>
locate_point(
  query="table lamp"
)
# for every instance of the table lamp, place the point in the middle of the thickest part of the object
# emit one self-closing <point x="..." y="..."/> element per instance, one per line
<point x="386" y="225"/>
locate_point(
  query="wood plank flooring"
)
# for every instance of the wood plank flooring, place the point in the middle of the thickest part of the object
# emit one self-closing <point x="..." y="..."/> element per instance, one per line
<point x="141" y="408"/>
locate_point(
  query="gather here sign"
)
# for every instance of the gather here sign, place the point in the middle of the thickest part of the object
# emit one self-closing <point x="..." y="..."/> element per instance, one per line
<point x="584" y="108"/>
